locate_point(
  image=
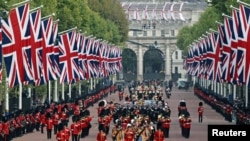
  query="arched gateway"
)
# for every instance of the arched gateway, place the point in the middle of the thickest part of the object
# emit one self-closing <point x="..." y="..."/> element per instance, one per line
<point x="151" y="48"/>
<point x="147" y="62"/>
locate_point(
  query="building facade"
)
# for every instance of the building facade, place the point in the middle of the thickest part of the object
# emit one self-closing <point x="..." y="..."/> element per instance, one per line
<point x="154" y="25"/>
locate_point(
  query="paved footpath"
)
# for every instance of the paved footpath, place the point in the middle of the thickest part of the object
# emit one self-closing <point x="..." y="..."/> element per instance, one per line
<point x="198" y="130"/>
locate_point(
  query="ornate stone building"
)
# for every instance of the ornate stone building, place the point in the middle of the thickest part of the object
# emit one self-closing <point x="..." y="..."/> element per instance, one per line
<point x="153" y="28"/>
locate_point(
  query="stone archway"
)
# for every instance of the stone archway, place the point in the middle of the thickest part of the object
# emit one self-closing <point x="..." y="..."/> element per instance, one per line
<point x="153" y="65"/>
<point x="129" y="63"/>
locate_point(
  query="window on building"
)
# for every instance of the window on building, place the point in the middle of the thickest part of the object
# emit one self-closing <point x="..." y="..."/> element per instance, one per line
<point x="176" y="55"/>
<point x="176" y="70"/>
<point x="144" y="33"/>
<point x="153" y="33"/>
<point x="134" y="33"/>
<point x="162" y="32"/>
<point x="172" y="33"/>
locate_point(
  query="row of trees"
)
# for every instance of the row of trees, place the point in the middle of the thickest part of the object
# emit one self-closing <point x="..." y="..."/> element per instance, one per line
<point x="104" y="19"/>
<point x="206" y="21"/>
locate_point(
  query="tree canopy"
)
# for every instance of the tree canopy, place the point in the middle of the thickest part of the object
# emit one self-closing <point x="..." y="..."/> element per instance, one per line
<point x="188" y="34"/>
<point x="104" y="19"/>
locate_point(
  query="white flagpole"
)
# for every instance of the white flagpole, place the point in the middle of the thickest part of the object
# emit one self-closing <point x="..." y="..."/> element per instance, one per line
<point x="241" y="2"/>
<point x="7" y="95"/>
<point x="55" y="92"/>
<point x="69" y="90"/>
<point x="20" y="3"/>
<point x="35" y="9"/>
<point x="53" y="14"/>
<point x="49" y="92"/>
<point x="67" y="30"/>
<point x="91" y="84"/>
<point x="20" y="96"/>
<point x="79" y="88"/>
<point x="63" y="97"/>
<point x="246" y="98"/>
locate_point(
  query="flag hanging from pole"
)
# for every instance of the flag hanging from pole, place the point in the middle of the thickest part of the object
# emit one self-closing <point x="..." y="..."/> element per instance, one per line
<point x="16" y="47"/>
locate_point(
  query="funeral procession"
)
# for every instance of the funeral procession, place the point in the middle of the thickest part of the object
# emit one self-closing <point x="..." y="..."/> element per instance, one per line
<point x="124" y="70"/>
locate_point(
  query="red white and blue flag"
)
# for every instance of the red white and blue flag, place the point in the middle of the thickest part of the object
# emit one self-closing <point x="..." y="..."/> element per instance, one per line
<point x="1" y="68"/>
<point x="16" y="46"/>
<point x="36" y="45"/>
<point x="213" y="58"/>
<point x="226" y="35"/>
<point x="68" y="59"/>
<point x="243" y="59"/>
<point x="48" y="50"/>
<point x="56" y="49"/>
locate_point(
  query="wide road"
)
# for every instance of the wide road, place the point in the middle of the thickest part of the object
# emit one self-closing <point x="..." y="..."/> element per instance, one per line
<point x="198" y="130"/>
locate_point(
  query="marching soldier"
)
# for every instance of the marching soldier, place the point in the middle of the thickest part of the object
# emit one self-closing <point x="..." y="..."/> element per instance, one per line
<point x="60" y="135"/>
<point x="49" y="125"/>
<point x="200" y="112"/>
<point x="159" y="135"/>
<point x="66" y="131"/>
<point x="43" y="121"/>
<point x="101" y="136"/>
<point x="75" y="129"/>
<point x="187" y="125"/>
<point x="166" y="125"/>
<point x="129" y="134"/>
<point x="117" y="132"/>
<point x="55" y="119"/>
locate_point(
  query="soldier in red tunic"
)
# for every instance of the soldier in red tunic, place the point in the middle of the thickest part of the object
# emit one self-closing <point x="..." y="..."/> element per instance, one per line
<point x="129" y="134"/>
<point x="166" y="125"/>
<point x="101" y="135"/>
<point x="1" y="130"/>
<point x="186" y="126"/>
<point x="49" y="125"/>
<point x="200" y="112"/>
<point x="75" y="129"/>
<point x="55" y="119"/>
<point x="6" y="126"/>
<point x="159" y="135"/>
<point x="60" y="135"/>
<point x="66" y="131"/>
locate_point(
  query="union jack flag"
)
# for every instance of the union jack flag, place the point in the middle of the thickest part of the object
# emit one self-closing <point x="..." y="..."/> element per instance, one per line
<point x="36" y="45"/>
<point x="56" y="49"/>
<point x="81" y="44"/>
<point x="101" y="58"/>
<point x="243" y="45"/>
<point x="196" y="62"/>
<point x="234" y="47"/>
<point x="214" y="58"/>
<point x="68" y="59"/>
<point x="226" y="34"/>
<point x="89" y="59"/>
<point x="16" y="47"/>
<point x="190" y="60"/>
<point x="48" y="50"/>
<point x="1" y="71"/>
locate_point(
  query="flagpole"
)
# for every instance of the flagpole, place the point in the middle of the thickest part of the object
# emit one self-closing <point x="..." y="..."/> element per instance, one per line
<point x="53" y="14"/>
<point x="32" y="10"/>
<point x="241" y="2"/>
<point x="7" y="95"/>
<point x="20" y="3"/>
<point x="231" y="6"/>
<point x="63" y="97"/>
<point x="223" y="14"/>
<point x="68" y="30"/>
<point x="20" y="96"/>
<point x="219" y="23"/>
<point x="56" y="20"/>
<point x="55" y="92"/>
<point x="213" y="30"/>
